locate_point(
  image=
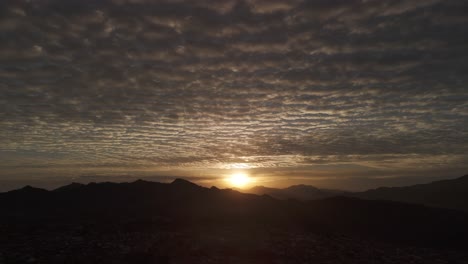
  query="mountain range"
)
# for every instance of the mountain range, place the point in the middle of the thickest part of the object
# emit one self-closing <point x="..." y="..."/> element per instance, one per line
<point x="451" y="194"/>
<point x="182" y="203"/>
<point x="299" y="192"/>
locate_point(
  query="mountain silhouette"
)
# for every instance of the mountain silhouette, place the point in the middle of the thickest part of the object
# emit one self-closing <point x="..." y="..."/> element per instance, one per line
<point x="451" y="194"/>
<point x="71" y="186"/>
<point x="182" y="203"/>
<point x="182" y="183"/>
<point x="299" y="192"/>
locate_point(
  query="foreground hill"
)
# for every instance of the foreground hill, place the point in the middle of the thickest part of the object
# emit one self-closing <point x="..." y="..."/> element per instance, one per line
<point x="444" y="194"/>
<point x="184" y="204"/>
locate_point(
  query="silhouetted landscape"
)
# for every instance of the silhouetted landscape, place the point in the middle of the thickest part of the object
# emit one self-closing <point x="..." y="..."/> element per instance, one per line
<point x="444" y="194"/>
<point x="234" y="131"/>
<point x="181" y="222"/>
<point x="299" y="192"/>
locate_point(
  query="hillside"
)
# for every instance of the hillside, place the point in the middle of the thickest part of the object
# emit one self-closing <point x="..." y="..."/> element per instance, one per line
<point x="450" y="194"/>
<point x="183" y="203"/>
<point x="444" y="194"/>
<point x="299" y="192"/>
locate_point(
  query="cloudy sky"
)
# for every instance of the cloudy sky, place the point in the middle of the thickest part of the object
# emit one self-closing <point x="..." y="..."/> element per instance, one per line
<point x="348" y="94"/>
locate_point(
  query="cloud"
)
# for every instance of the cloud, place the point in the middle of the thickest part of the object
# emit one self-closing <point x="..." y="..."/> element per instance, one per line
<point x="196" y="84"/>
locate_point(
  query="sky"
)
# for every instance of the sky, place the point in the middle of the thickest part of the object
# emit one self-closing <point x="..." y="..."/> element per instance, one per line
<point x="342" y="94"/>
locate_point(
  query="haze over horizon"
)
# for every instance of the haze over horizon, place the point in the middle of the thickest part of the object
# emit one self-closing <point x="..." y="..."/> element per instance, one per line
<point x="343" y="94"/>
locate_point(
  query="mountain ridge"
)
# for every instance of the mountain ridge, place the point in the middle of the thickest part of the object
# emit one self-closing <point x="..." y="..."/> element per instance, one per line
<point x="183" y="203"/>
<point x="450" y="193"/>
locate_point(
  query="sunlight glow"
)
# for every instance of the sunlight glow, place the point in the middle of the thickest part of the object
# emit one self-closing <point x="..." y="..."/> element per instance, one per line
<point x="239" y="179"/>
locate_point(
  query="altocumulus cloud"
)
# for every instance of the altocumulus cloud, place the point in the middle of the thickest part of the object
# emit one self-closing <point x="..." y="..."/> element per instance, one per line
<point x="139" y="85"/>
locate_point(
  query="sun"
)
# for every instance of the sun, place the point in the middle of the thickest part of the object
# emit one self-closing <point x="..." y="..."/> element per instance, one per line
<point x="239" y="179"/>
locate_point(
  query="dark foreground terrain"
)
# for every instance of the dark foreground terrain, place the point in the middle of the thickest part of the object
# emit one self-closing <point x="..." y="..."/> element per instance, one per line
<point x="146" y="222"/>
<point x="147" y="243"/>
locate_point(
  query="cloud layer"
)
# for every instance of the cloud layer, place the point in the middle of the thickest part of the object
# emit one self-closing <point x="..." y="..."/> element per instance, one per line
<point x="139" y="85"/>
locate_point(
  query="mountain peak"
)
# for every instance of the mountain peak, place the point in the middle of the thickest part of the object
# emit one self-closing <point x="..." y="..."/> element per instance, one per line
<point x="183" y="182"/>
<point x="30" y="188"/>
<point x="71" y="186"/>
<point x="140" y="181"/>
<point x="302" y="187"/>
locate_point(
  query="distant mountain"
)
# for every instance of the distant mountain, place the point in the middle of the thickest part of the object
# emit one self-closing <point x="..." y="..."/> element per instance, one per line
<point x="445" y="194"/>
<point x="299" y="192"/>
<point x="71" y="186"/>
<point x="183" y="204"/>
<point x="451" y="194"/>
